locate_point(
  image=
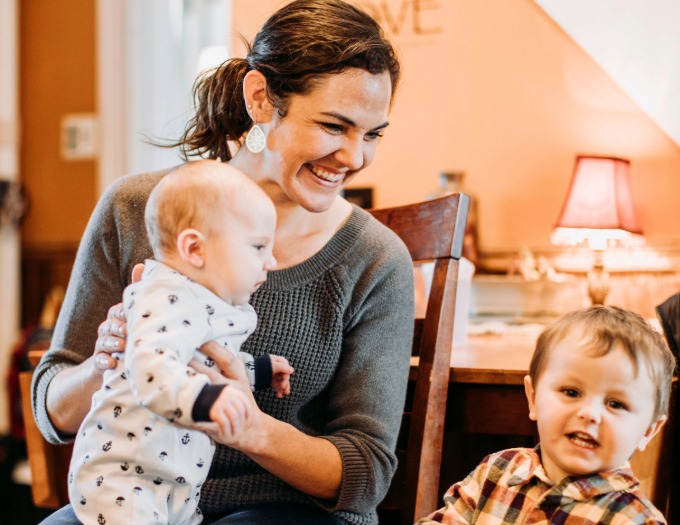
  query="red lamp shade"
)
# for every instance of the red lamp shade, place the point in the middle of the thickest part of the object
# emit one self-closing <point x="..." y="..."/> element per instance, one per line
<point x="599" y="205"/>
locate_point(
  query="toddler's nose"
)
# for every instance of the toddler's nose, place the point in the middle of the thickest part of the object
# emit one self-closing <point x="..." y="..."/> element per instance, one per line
<point x="591" y="411"/>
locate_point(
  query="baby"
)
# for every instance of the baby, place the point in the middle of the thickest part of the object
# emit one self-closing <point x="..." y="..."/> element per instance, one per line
<point x="135" y="460"/>
<point x="598" y="387"/>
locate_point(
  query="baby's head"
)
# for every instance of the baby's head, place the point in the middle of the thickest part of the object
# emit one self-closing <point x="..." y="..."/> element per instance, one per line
<point x="212" y="223"/>
<point x="598" y="386"/>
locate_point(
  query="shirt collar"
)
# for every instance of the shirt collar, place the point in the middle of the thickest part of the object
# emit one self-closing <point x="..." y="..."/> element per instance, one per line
<point x="575" y="488"/>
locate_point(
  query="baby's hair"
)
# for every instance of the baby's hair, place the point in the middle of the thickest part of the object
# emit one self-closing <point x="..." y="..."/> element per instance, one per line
<point x="609" y="325"/>
<point x="193" y="195"/>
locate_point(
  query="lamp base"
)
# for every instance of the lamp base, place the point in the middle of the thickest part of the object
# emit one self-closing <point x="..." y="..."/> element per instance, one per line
<point x="598" y="280"/>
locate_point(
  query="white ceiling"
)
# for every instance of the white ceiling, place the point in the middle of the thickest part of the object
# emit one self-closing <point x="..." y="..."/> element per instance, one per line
<point x="637" y="43"/>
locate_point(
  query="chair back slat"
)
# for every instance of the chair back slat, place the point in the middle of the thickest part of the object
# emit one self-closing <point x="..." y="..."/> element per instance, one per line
<point x="432" y="230"/>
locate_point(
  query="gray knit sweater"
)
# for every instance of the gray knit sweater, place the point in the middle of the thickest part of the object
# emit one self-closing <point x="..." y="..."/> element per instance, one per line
<point x="343" y="319"/>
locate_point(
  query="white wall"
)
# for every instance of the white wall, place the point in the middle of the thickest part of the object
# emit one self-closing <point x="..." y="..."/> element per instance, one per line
<point x="9" y="167"/>
<point x="149" y="54"/>
<point x="637" y="43"/>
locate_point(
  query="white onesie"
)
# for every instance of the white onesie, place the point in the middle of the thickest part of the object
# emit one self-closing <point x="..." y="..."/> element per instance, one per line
<point x="133" y="462"/>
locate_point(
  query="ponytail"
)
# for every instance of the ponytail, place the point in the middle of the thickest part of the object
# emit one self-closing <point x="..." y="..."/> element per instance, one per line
<point x="221" y="113"/>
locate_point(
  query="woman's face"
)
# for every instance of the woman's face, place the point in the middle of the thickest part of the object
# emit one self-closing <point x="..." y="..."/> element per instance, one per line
<point x="327" y="137"/>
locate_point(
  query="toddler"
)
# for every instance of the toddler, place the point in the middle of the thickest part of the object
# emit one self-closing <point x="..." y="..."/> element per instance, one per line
<point x="598" y="387"/>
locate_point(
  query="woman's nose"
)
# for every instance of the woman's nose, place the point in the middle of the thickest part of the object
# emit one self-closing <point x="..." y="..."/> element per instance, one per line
<point x="351" y="154"/>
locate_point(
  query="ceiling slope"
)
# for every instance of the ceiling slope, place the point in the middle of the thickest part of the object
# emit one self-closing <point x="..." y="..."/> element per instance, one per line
<point x="636" y="43"/>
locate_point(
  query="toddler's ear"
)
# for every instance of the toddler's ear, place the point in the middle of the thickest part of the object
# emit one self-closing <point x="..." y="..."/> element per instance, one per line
<point x="531" y="396"/>
<point x="652" y="431"/>
<point x="190" y="247"/>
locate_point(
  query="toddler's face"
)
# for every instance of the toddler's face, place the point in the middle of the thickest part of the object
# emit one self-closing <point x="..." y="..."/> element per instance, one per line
<point x="592" y="411"/>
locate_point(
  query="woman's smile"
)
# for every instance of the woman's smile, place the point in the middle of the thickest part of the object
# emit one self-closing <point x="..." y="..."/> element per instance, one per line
<point x="326" y="174"/>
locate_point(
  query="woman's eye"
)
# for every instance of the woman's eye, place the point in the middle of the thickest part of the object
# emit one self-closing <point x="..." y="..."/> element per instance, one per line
<point x="259" y="247"/>
<point x="333" y="128"/>
<point x="373" y="135"/>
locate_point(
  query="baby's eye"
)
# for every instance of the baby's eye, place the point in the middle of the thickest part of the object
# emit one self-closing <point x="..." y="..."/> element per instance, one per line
<point x="617" y="405"/>
<point x="570" y="392"/>
<point x="259" y="247"/>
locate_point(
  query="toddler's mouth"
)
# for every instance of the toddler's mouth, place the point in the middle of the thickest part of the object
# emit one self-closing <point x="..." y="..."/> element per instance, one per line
<point x="582" y="440"/>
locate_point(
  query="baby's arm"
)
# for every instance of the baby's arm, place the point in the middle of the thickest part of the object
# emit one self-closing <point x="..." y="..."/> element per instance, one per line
<point x="268" y="370"/>
<point x="230" y="410"/>
<point x="281" y="371"/>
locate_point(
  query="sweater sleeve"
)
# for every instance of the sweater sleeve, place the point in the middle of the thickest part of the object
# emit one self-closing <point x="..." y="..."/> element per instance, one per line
<point x="100" y="273"/>
<point x="367" y="395"/>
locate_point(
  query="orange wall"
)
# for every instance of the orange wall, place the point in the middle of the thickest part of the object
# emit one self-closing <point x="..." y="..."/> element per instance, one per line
<point x="57" y="76"/>
<point x="501" y="93"/>
<point x="499" y="90"/>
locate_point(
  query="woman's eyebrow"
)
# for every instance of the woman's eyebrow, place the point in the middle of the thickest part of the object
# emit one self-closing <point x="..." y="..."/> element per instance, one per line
<point x="349" y="121"/>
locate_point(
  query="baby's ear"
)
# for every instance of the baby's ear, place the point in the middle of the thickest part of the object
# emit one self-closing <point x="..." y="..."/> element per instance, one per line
<point x="531" y="396"/>
<point x="652" y="431"/>
<point x="190" y="245"/>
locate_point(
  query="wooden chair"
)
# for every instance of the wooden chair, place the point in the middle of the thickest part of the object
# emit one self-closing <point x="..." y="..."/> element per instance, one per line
<point x="432" y="231"/>
<point x="48" y="463"/>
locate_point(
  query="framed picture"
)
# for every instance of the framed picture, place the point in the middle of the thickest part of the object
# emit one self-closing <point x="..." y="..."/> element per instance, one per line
<point x="362" y="197"/>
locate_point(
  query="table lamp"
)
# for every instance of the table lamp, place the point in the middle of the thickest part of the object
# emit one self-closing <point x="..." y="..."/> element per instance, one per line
<point x="598" y="212"/>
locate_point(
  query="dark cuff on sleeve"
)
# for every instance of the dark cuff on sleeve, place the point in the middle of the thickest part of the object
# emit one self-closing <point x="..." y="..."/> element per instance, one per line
<point x="263" y="371"/>
<point x="204" y="402"/>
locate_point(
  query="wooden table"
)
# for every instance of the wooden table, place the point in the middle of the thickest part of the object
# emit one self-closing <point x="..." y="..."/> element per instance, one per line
<point x="486" y="397"/>
<point x="487" y="386"/>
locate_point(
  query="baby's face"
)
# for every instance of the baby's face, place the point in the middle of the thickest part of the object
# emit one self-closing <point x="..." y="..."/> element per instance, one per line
<point x="239" y="253"/>
<point x="592" y="412"/>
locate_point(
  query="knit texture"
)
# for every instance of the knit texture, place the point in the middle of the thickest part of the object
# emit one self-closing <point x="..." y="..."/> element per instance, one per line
<point x="343" y="319"/>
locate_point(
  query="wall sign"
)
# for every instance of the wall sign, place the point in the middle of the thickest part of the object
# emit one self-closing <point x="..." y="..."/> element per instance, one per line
<point x="411" y="22"/>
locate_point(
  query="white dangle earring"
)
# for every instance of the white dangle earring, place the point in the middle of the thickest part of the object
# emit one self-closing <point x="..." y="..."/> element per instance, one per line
<point x="255" y="140"/>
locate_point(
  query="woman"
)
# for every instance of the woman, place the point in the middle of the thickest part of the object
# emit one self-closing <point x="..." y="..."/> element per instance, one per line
<point x="312" y="99"/>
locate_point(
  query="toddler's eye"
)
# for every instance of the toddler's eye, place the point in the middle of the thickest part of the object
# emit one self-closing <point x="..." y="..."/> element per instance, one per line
<point x="570" y="392"/>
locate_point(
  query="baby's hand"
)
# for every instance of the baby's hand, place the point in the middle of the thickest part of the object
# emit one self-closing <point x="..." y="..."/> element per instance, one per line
<point x="281" y="371"/>
<point x="230" y="410"/>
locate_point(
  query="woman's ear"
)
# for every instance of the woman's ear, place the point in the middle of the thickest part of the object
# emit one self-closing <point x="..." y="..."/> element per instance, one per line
<point x="255" y="95"/>
<point x="190" y="245"/>
<point x="531" y="396"/>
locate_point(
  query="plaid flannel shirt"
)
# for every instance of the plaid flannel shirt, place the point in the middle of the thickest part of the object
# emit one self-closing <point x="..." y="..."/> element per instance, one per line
<point x="511" y="487"/>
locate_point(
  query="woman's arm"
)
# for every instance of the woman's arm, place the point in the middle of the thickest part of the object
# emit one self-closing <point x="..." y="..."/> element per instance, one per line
<point x="280" y="448"/>
<point x="113" y="241"/>
<point x="69" y="394"/>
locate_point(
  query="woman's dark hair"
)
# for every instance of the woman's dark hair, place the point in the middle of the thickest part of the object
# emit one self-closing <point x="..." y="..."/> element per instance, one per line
<point x="302" y="43"/>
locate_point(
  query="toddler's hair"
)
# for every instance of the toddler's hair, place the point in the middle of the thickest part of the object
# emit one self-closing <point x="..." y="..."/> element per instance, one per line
<point x="607" y="326"/>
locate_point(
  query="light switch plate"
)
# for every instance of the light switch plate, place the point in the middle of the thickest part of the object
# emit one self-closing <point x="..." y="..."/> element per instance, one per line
<point x="79" y="136"/>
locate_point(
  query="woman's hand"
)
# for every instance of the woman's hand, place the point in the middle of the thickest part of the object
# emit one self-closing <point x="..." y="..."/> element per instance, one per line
<point x="276" y="446"/>
<point x="112" y="333"/>
<point x="230" y="369"/>
<point x="111" y="338"/>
